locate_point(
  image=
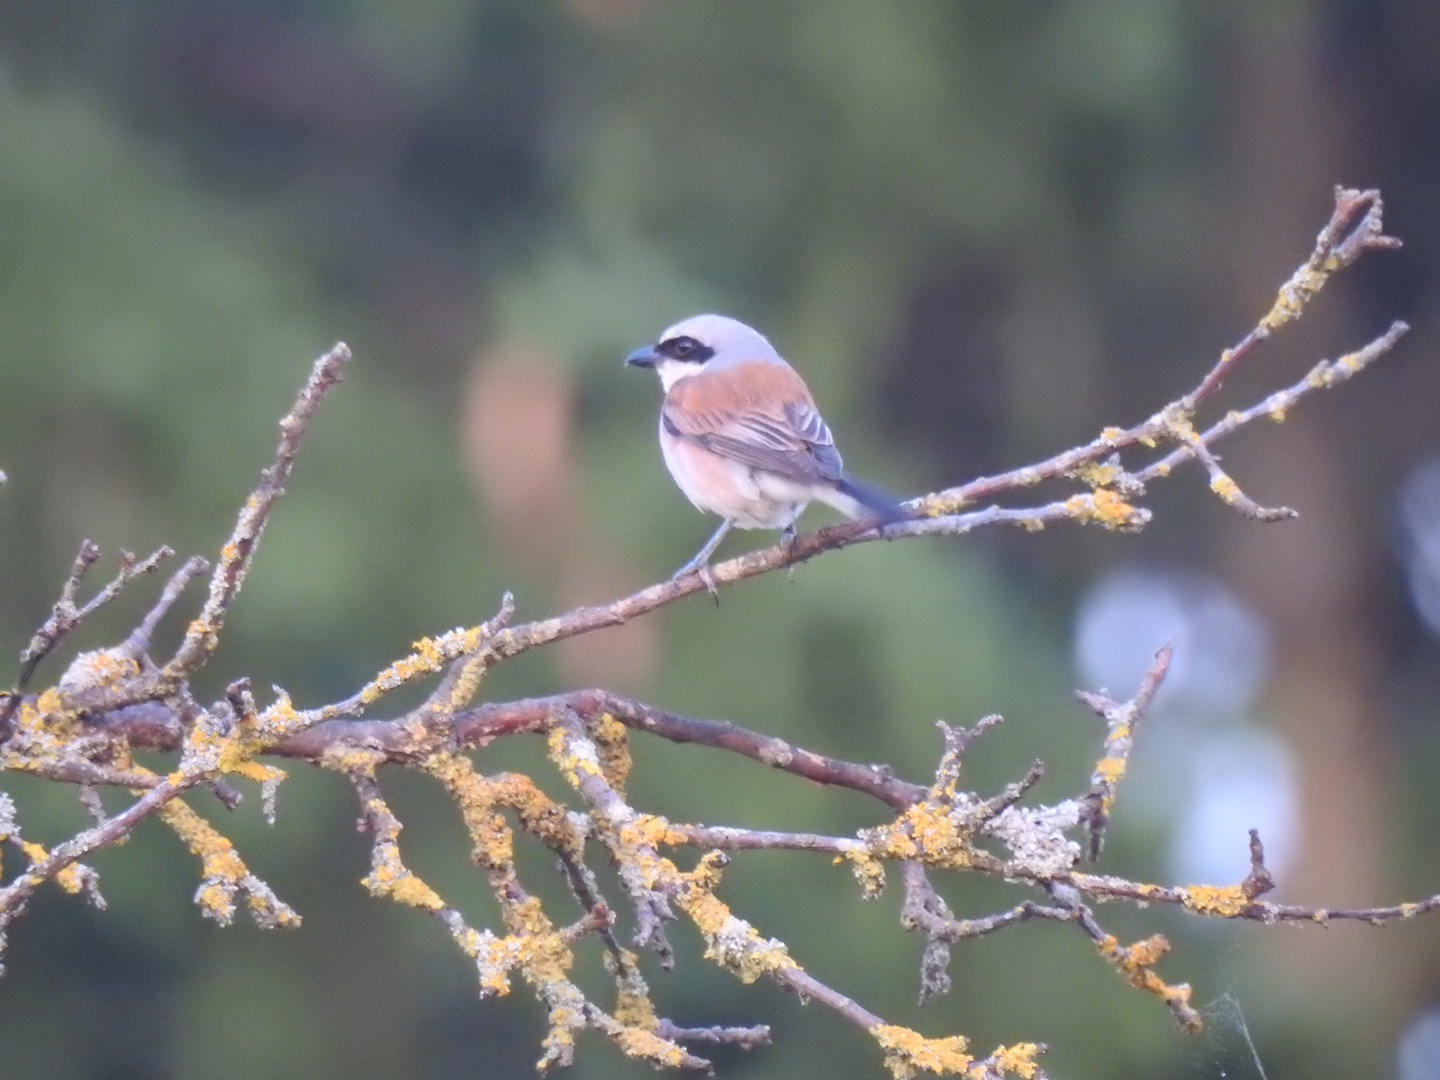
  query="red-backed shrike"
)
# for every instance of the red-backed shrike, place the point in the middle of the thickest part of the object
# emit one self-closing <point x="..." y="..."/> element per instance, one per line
<point x="741" y="434"/>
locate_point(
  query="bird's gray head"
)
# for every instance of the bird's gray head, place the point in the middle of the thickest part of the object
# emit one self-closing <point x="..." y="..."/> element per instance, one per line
<point x="702" y="341"/>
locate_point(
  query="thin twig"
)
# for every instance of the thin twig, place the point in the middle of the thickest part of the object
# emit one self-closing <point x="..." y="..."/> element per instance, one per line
<point x="725" y="838"/>
<point x="1324" y="375"/>
<point x="746" y="1038"/>
<point x="65" y="616"/>
<point x="1258" y="882"/>
<point x="138" y="643"/>
<point x="15" y="896"/>
<point x="1120" y="721"/>
<point x="204" y="632"/>
<point x="1340" y="243"/>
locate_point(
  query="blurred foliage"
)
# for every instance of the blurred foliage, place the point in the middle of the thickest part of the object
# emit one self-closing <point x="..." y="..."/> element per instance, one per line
<point x="980" y="230"/>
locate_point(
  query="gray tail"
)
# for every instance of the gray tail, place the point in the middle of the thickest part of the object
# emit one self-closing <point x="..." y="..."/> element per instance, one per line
<point x="873" y="498"/>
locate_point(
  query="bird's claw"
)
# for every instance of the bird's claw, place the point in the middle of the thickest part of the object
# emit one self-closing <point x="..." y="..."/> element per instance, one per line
<point x="702" y="570"/>
<point x="709" y="581"/>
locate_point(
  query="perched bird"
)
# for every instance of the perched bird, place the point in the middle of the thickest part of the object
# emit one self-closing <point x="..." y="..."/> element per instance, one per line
<point x="741" y="434"/>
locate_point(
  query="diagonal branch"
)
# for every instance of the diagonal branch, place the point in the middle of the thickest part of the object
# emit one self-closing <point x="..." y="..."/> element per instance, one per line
<point x="1120" y="721"/>
<point x="204" y="632"/>
<point x="66" y="615"/>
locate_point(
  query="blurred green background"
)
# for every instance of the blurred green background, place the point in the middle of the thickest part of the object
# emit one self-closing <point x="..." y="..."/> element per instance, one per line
<point x="982" y="230"/>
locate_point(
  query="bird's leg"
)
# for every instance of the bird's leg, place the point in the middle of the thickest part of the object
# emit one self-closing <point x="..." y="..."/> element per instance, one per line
<point x="787" y="537"/>
<point x="702" y="557"/>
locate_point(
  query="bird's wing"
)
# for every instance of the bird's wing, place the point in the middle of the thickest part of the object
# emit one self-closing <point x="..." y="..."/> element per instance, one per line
<point x="759" y="414"/>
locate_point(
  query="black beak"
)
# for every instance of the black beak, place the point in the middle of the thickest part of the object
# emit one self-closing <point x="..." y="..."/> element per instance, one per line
<point x="642" y="357"/>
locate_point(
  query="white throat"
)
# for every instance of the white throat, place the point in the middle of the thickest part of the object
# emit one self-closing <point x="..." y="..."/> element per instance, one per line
<point x="672" y="371"/>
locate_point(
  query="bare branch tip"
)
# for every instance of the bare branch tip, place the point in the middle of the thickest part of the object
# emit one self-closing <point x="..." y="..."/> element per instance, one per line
<point x="1259" y="880"/>
<point x="334" y="359"/>
<point x="226" y="794"/>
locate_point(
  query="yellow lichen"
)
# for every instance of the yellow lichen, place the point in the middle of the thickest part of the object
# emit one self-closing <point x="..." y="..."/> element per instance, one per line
<point x="908" y="1052"/>
<point x="541" y="816"/>
<point x="203" y="633"/>
<point x="612" y="740"/>
<point x="429" y="656"/>
<point x="1096" y="475"/>
<point x="543" y="954"/>
<point x="351" y="759"/>
<point x="393" y="880"/>
<point x="33" y="851"/>
<point x="565" y="1019"/>
<point x="206" y="748"/>
<point x="478" y="798"/>
<point x="1228" y="901"/>
<point x="50" y="723"/>
<point x="494" y="957"/>
<point x="731" y="942"/>
<point x="222" y="871"/>
<point x="103" y="667"/>
<point x="534" y="944"/>
<point x="1225" y="487"/>
<point x="571" y="762"/>
<point x="869" y="871"/>
<point x="647" y="830"/>
<point x="940" y="505"/>
<point x="1136" y="964"/>
<point x="647" y="1046"/>
<point x="1105" y="507"/>
<point x="1319" y="377"/>
<point x="926" y="832"/>
<point x="633" y="1006"/>
<point x="1110" y="770"/>
<point x="280" y="716"/>
<point x="261" y="774"/>
<point x="468" y="684"/>
<point x="1294" y="295"/>
<point x="1018" y="1059"/>
<point x="216" y="853"/>
<point x="71" y="879"/>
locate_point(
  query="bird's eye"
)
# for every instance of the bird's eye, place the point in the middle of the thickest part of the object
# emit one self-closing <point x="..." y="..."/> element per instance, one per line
<point x="685" y="349"/>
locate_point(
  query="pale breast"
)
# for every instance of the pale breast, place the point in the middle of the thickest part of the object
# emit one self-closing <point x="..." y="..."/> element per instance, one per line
<point x="727" y="488"/>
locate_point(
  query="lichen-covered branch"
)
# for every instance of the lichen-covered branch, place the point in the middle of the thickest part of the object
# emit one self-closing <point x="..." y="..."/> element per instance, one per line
<point x="1120" y="722"/>
<point x="110" y="702"/>
<point x="203" y="633"/>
